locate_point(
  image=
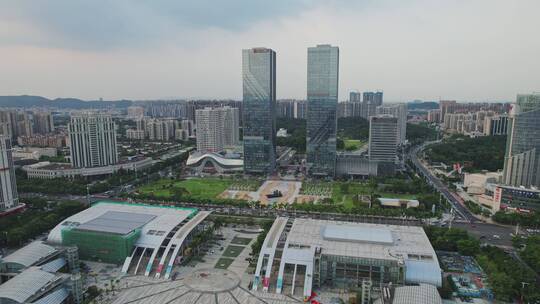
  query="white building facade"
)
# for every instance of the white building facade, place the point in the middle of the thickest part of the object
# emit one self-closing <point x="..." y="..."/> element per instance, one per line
<point x="92" y="140"/>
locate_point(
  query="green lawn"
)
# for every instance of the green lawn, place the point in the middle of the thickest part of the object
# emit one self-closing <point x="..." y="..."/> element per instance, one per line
<point x="353" y="144"/>
<point x="359" y="188"/>
<point x="197" y="187"/>
<point x="224" y="263"/>
<point x="232" y="251"/>
<point x="240" y="240"/>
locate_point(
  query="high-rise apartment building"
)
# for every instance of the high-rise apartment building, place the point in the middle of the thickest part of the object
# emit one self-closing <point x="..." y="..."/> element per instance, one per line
<point x="43" y="122"/>
<point x="496" y="125"/>
<point x="8" y="188"/>
<point x="371" y="101"/>
<point x="522" y="159"/>
<point x="161" y="129"/>
<point x="92" y="140"/>
<point x="231" y="128"/>
<point x="355" y="96"/>
<point x="217" y="128"/>
<point x="135" y="112"/>
<point x="398" y="111"/>
<point x="259" y="101"/>
<point x="322" y="97"/>
<point x="383" y="134"/>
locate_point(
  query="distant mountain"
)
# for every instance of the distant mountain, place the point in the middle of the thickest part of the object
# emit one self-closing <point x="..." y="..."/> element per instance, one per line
<point x="419" y="106"/>
<point x="27" y="101"/>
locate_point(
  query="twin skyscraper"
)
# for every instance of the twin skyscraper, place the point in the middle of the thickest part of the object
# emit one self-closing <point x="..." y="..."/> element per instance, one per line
<point x="259" y="97"/>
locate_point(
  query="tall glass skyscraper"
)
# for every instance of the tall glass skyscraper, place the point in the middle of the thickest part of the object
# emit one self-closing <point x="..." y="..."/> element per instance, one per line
<point x="259" y="112"/>
<point x="322" y="98"/>
<point x="522" y="159"/>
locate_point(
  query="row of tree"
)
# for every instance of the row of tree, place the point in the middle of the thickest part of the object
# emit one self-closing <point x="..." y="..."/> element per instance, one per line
<point x="505" y="274"/>
<point x="39" y="217"/>
<point x="78" y="185"/>
<point x="480" y="153"/>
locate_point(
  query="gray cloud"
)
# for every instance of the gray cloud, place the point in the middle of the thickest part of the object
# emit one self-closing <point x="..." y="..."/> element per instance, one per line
<point x="103" y="24"/>
<point x="463" y="49"/>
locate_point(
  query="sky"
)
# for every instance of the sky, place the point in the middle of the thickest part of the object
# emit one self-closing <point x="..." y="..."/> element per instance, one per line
<point x="468" y="50"/>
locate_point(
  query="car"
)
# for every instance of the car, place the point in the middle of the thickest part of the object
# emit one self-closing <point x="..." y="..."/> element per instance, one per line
<point x="495" y="236"/>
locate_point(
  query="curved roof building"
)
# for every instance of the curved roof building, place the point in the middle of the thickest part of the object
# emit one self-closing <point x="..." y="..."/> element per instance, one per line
<point x="214" y="163"/>
<point x="124" y="233"/>
<point x="306" y="253"/>
<point x="28" y="255"/>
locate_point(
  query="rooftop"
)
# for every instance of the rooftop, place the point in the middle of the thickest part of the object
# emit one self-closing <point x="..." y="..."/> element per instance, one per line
<point x="363" y="240"/>
<point x="119" y="217"/>
<point x="23" y="286"/>
<point x="30" y="254"/>
<point x="117" y="222"/>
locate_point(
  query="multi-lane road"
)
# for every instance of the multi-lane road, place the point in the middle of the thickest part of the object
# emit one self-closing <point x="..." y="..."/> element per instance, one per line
<point x="460" y="209"/>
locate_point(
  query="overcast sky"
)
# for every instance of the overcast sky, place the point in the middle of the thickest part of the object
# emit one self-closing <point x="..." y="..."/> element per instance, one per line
<point x="472" y="50"/>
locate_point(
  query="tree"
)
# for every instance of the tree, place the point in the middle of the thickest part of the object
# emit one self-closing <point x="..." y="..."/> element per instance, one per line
<point x="468" y="247"/>
<point x="344" y="188"/>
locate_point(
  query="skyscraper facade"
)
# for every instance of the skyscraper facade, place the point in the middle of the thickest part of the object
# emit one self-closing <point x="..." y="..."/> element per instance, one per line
<point x="92" y="140"/>
<point x="522" y="158"/>
<point x="398" y="111"/>
<point x="259" y="112"/>
<point x="8" y="188"/>
<point x="322" y="97"/>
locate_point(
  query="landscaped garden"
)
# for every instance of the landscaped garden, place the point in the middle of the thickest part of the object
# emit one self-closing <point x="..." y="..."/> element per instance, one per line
<point x="206" y="188"/>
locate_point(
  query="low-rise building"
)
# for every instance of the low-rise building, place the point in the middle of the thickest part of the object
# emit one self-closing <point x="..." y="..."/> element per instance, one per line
<point x="399" y="202"/>
<point x="32" y="275"/>
<point x="145" y="239"/>
<point x="310" y="253"/>
<point x="215" y="163"/>
<point x="48" y="170"/>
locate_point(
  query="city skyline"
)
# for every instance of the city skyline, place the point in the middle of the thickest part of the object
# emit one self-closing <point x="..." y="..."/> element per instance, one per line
<point x="445" y="50"/>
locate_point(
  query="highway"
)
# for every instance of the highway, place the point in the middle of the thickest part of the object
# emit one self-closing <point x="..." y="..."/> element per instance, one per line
<point x="461" y="210"/>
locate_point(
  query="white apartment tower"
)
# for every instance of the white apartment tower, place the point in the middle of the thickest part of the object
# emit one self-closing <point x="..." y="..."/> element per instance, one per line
<point x="8" y="190"/>
<point x="217" y="128"/>
<point x="92" y="140"/>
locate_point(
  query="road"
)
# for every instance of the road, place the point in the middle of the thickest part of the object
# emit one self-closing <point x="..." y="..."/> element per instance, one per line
<point x="461" y="210"/>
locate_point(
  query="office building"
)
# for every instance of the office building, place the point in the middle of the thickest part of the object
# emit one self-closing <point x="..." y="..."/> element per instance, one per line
<point x="522" y="158"/>
<point x="259" y="101"/>
<point x="398" y="111"/>
<point x="383" y="132"/>
<point x="43" y="122"/>
<point x="322" y="97"/>
<point x="92" y="140"/>
<point x="308" y="253"/>
<point x="8" y="191"/>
